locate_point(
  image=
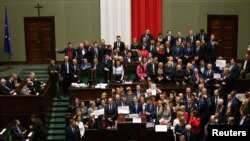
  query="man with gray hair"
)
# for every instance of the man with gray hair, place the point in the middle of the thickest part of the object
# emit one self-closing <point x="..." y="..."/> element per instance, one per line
<point x="4" y="90"/>
<point x="189" y="135"/>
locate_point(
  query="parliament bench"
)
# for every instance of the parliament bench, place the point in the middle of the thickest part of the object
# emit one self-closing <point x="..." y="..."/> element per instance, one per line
<point x="22" y="107"/>
<point x="129" y="132"/>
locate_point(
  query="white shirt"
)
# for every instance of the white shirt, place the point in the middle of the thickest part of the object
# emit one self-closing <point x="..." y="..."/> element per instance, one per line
<point x="118" y="70"/>
<point x="83" y="51"/>
<point x="81" y="127"/>
<point x="245" y="65"/>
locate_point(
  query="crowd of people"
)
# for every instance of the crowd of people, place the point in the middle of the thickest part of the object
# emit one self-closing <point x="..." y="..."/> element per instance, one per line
<point x="14" y="85"/>
<point x="169" y="59"/>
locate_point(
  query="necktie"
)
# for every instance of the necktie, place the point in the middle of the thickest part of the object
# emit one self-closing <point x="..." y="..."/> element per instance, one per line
<point x="216" y="100"/>
<point x="191" y="39"/>
<point x="188" y="134"/>
<point x="73" y="130"/>
<point x="245" y="65"/>
<point x="118" y="44"/>
<point x="136" y="106"/>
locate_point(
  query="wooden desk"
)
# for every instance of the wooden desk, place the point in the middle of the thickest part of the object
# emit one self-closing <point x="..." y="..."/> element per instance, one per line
<point x="90" y="93"/>
<point x="129" y="132"/>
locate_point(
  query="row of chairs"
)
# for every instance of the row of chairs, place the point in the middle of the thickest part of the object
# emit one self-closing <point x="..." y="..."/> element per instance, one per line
<point x="100" y="76"/>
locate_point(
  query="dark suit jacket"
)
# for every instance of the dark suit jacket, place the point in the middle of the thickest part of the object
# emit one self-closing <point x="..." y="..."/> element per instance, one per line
<point x="177" y="53"/>
<point x="189" y="53"/>
<point x="247" y="66"/>
<point x="66" y="50"/>
<point x="191" y="136"/>
<point x="110" y="113"/>
<point x="4" y="90"/>
<point x="73" y="136"/>
<point x="192" y="107"/>
<point x="198" y="37"/>
<point x="213" y="104"/>
<point x="51" y="71"/>
<point x="131" y="59"/>
<point x="228" y="87"/>
<point x="211" y="52"/>
<point x="235" y="72"/>
<point x="122" y="45"/>
<point x="182" y="39"/>
<point x="201" y="53"/>
<point x="107" y="64"/>
<point x="15" y="133"/>
<point x="64" y="70"/>
<point x="235" y="107"/>
<point x="80" y="56"/>
<point x="150" y="72"/>
<point x="10" y="84"/>
<point x="188" y="39"/>
<point x="152" y="111"/>
<point x="148" y="36"/>
<point x="172" y="40"/>
<point x="246" y="121"/>
<point x="133" y="109"/>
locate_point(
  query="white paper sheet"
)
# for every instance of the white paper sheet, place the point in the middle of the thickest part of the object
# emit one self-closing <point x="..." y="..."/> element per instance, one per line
<point x="123" y="109"/>
<point x="137" y="120"/>
<point x="217" y="75"/>
<point x="161" y="128"/>
<point x="4" y="129"/>
<point x="99" y="112"/>
<point x="220" y="63"/>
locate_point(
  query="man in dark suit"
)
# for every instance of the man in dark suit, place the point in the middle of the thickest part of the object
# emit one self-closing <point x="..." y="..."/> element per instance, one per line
<point x="152" y="48"/>
<point x="110" y="112"/>
<point x="94" y="52"/>
<point x="66" y="74"/>
<point x="234" y="103"/>
<point x="170" y="38"/>
<point x="191" y="38"/>
<point x="212" y="46"/>
<point x="214" y="100"/>
<point x="188" y="52"/>
<point x="209" y="78"/>
<point x="69" y="51"/>
<point x="200" y="51"/>
<point x="75" y="70"/>
<point x="244" y="120"/>
<point x="72" y="131"/>
<point x="147" y="35"/>
<point x="129" y="58"/>
<point x="245" y="67"/>
<point x="119" y="43"/>
<point x="53" y="71"/>
<point x="189" y="135"/>
<point x="18" y="131"/>
<point x="4" y="89"/>
<point x="190" y="105"/>
<point x="179" y="38"/>
<point x="135" y="106"/>
<point x="10" y="83"/>
<point x="202" y="36"/>
<point x="151" y="69"/>
<point x="81" y="52"/>
<point x="227" y="81"/>
<point x="38" y="128"/>
<point x="150" y="110"/>
<point x="107" y="65"/>
<point x="235" y="71"/>
<point x="177" y="51"/>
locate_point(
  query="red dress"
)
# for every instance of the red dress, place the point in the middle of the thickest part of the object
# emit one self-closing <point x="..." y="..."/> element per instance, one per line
<point x="195" y="123"/>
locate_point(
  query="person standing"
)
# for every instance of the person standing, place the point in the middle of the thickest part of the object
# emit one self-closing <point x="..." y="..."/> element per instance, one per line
<point x="53" y="71"/>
